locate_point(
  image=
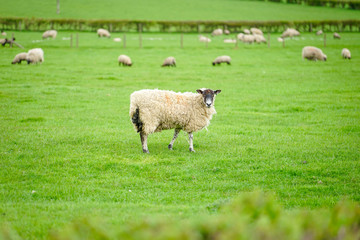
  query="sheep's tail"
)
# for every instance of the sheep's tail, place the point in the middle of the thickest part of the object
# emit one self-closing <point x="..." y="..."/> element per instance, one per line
<point x="135" y="119"/>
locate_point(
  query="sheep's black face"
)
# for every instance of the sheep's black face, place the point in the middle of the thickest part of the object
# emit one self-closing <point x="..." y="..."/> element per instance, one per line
<point x="208" y="96"/>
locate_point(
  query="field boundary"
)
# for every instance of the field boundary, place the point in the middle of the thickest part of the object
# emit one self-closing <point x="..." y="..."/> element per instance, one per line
<point x="40" y="24"/>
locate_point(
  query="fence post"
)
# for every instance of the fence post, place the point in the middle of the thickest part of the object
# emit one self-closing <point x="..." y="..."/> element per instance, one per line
<point x="182" y="40"/>
<point x="140" y="35"/>
<point x="12" y="40"/>
<point x="71" y="40"/>
<point x="283" y="42"/>
<point x="268" y="39"/>
<point x="124" y="43"/>
<point x="77" y="40"/>
<point x="237" y="42"/>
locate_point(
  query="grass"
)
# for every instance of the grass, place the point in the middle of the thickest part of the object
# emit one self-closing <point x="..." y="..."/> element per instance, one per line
<point x="173" y="10"/>
<point x="68" y="148"/>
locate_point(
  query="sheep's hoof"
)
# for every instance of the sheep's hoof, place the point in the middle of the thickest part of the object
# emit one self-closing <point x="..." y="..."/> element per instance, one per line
<point x="191" y="150"/>
<point x="170" y="147"/>
<point x="146" y="151"/>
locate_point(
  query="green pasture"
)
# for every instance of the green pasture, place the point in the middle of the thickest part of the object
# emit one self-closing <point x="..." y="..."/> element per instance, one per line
<point x="68" y="149"/>
<point x="172" y="10"/>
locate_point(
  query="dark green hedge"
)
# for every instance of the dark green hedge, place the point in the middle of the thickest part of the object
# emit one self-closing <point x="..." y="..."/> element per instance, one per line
<point x="39" y="24"/>
<point x="351" y="4"/>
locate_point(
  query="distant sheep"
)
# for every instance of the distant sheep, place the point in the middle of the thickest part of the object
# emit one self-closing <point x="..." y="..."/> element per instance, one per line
<point x="103" y="33"/>
<point x="248" y="38"/>
<point x="117" y="39"/>
<point x="290" y="32"/>
<point x="247" y="31"/>
<point x="320" y="32"/>
<point x="35" y="55"/>
<point x="345" y="53"/>
<point x="229" y="40"/>
<point x="256" y="31"/>
<point x="156" y="110"/>
<point x="124" y="60"/>
<point x="49" y="33"/>
<point x="217" y="32"/>
<point x="170" y="61"/>
<point x="221" y="59"/>
<point x="5" y="41"/>
<point x="259" y="38"/>
<point x="226" y="32"/>
<point x="19" y="58"/>
<point x="280" y="39"/>
<point x="313" y="53"/>
<point x="336" y="35"/>
<point x="3" y="33"/>
<point x="204" y="39"/>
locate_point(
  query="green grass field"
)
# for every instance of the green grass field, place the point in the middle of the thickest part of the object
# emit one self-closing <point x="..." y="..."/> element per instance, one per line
<point x="172" y="10"/>
<point x="68" y="149"/>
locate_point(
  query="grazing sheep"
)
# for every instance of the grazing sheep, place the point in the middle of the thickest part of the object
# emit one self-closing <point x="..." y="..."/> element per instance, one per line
<point x="3" y="33"/>
<point x="259" y="38"/>
<point x="256" y="31"/>
<point x="336" y="36"/>
<point x="156" y="110"/>
<point x="221" y="59"/>
<point x="35" y="55"/>
<point x="345" y="53"/>
<point x="240" y="36"/>
<point x="19" y="58"/>
<point x="248" y="38"/>
<point x="290" y="32"/>
<point x="217" y="32"/>
<point x="204" y="39"/>
<point x="313" y="53"/>
<point x="49" y="33"/>
<point x="280" y="39"/>
<point x="5" y="41"/>
<point x="170" y="61"/>
<point x="117" y="39"/>
<point x="247" y="31"/>
<point x="226" y="32"/>
<point x="320" y="32"/>
<point x="103" y="33"/>
<point x="229" y="40"/>
<point x="124" y="60"/>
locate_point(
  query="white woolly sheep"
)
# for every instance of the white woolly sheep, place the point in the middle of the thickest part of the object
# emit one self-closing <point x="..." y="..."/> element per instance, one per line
<point x="124" y="60"/>
<point x="240" y="36"/>
<point x="313" y="53"/>
<point x="221" y="59"/>
<point x="103" y="33"/>
<point x="248" y="38"/>
<point x="156" y="110"/>
<point x="229" y="40"/>
<point x="204" y="39"/>
<point x="19" y="58"/>
<point x="259" y="38"/>
<point x="280" y="39"/>
<point x="3" y="33"/>
<point x="247" y="31"/>
<point x="226" y="32"/>
<point x="320" y="32"/>
<point x="117" y="39"/>
<point x="256" y="31"/>
<point x="345" y="53"/>
<point x="35" y="55"/>
<point x="169" y="61"/>
<point x="336" y="35"/>
<point x="217" y="32"/>
<point x="49" y="33"/>
<point x="290" y="32"/>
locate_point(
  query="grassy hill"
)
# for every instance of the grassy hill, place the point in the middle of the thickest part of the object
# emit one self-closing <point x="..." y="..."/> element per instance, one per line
<point x="172" y="10"/>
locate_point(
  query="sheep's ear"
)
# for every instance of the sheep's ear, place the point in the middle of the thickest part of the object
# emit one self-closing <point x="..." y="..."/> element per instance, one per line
<point x="217" y="92"/>
<point x="199" y="91"/>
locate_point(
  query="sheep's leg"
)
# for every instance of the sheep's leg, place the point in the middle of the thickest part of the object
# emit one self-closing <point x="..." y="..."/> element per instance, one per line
<point x="176" y="133"/>
<point x="191" y="147"/>
<point x="143" y="138"/>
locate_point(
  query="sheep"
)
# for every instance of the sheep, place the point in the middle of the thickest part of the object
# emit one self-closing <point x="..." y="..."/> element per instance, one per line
<point x="217" y="32"/>
<point x="290" y="32"/>
<point x="204" y="39"/>
<point x="124" y="60"/>
<point x="345" y="53"/>
<point x="247" y="31"/>
<point x="259" y="38"/>
<point x="49" y="33"/>
<point x="117" y="39"/>
<point x="226" y="32"/>
<point x="248" y="38"/>
<point x="336" y="35"/>
<point x="320" y="32"/>
<point x="313" y="53"/>
<point x="221" y="59"/>
<point x="280" y="39"/>
<point x="3" y="33"/>
<point x="35" y="55"/>
<point x="19" y="58"/>
<point x="103" y="33"/>
<point x="256" y="31"/>
<point x="229" y="40"/>
<point x="170" y="61"/>
<point x="240" y="36"/>
<point x="156" y="110"/>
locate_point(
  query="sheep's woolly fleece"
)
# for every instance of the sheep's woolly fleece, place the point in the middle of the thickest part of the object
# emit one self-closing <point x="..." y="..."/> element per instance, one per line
<point x="161" y="110"/>
<point x="19" y="57"/>
<point x="35" y="55"/>
<point x="313" y="53"/>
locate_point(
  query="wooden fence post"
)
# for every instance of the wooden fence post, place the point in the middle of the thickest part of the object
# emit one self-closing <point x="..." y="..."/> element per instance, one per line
<point x="77" y="40"/>
<point x="268" y="39"/>
<point x="12" y="40"/>
<point x="237" y="42"/>
<point x="140" y="35"/>
<point x="71" y="40"/>
<point x="124" y="43"/>
<point x="182" y="40"/>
